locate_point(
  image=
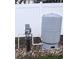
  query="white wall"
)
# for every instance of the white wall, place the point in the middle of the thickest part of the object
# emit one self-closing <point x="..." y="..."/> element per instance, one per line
<point x="32" y="14"/>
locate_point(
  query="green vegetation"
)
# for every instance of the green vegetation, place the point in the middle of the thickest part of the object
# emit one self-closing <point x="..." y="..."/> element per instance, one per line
<point x="47" y="57"/>
<point x="50" y="57"/>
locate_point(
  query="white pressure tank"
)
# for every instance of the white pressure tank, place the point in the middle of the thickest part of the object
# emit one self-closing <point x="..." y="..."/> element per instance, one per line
<point x="51" y="30"/>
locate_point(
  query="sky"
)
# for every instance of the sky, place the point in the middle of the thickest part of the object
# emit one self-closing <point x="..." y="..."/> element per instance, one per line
<point x="32" y="14"/>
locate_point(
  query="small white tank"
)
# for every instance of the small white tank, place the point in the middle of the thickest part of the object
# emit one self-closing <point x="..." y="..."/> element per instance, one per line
<point x="51" y="30"/>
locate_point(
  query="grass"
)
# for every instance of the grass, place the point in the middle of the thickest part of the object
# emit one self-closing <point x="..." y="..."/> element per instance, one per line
<point x="46" y="57"/>
<point x="50" y="57"/>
